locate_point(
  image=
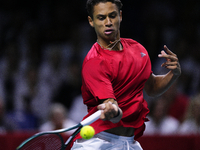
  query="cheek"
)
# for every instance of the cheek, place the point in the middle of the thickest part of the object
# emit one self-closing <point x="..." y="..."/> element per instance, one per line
<point x="98" y="28"/>
<point x="117" y="23"/>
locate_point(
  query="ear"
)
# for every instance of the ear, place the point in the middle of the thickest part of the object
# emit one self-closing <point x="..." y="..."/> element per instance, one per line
<point x="120" y="16"/>
<point x="90" y="21"/>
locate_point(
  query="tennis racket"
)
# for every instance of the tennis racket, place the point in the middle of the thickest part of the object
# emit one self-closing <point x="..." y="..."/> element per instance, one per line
<point x="52" y="140"/>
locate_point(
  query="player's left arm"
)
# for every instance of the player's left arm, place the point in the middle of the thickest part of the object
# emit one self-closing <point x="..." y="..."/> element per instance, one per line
<point x="158" y="84"/>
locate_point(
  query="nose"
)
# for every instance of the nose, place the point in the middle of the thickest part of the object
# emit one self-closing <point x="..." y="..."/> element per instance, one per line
<point x="108" y="22"/>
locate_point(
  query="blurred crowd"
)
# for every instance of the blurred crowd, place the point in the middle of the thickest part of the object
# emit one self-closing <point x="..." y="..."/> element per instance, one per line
<point x="43" y="44"/>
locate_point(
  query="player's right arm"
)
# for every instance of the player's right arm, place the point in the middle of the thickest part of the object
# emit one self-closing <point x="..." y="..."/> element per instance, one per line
<point x="97" y="76"/>
<point x="110" y="110"/>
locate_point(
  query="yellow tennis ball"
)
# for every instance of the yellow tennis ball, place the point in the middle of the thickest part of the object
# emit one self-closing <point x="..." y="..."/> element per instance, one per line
<point x="87" y="132"/>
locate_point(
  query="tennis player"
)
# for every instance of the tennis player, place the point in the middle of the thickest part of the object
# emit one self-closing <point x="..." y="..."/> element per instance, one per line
<point x="114" y="74"/>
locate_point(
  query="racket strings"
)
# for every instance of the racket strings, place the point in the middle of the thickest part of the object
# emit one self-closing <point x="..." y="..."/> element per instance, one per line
<point x="45" y="142"/>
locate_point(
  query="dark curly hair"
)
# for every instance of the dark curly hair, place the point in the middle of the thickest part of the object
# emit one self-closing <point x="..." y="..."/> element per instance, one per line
<point x="91" y="3"/>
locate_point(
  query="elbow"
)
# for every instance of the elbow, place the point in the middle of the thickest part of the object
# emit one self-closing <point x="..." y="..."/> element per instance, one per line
<point x="153" y="93"/>
<point x="153" y="87"/>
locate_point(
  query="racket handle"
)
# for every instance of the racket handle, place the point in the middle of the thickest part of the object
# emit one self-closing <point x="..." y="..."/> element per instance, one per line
<point x="92" y="118"/>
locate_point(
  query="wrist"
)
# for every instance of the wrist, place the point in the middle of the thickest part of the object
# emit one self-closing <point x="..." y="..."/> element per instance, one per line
<point x="118" y="117"/>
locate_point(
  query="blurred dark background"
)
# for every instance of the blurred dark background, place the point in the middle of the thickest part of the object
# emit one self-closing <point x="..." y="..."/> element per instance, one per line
<point x="43" y="44"/>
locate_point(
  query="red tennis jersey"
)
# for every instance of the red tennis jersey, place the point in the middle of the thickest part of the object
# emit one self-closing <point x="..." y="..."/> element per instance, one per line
<point x="120" y="75"/>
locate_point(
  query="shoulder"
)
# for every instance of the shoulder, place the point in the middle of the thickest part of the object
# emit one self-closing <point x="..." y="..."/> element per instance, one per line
<point x="131" y="42"/>
<point x="94" y="58"/>
<point x="135" y="46"/>
<point x="95" y="66"/>
<point x="93" y="53"/>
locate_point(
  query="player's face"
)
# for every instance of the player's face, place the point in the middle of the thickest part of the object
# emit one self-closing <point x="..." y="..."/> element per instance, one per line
<point x="106" y="22"/>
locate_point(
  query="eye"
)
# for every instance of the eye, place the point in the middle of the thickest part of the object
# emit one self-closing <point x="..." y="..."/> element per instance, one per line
<point x="113" y="15"/>
<point x="101" y="17"/>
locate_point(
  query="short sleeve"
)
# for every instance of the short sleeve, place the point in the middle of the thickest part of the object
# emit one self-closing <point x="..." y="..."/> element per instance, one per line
<point x="97" y="77"/>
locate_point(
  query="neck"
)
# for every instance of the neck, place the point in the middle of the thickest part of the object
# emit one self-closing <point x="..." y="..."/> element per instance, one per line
<point x="115" y="45"/>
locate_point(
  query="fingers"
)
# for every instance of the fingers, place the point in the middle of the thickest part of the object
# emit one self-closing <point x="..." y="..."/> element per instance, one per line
<point x="109" y="110"/>
<point x="168" y="51"/>
<point x="168" y="57"/>
<point x="170" y="65"/>
<point x="172" y="62"/>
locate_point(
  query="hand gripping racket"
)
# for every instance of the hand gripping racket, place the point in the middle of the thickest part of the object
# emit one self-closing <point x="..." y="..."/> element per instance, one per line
<point x="52" y="140"/>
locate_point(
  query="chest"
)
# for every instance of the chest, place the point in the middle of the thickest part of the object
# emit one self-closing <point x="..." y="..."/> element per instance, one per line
<point x="132" y="64"/>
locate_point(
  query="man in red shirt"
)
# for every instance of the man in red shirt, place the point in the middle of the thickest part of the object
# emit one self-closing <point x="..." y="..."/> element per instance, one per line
<point x="114" y="74"/>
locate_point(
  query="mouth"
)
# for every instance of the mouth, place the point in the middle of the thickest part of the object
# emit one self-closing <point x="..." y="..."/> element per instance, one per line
<point x="108" y="31"/>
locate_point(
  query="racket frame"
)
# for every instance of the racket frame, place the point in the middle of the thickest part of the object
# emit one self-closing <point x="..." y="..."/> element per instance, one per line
<point x="86" y="121"/>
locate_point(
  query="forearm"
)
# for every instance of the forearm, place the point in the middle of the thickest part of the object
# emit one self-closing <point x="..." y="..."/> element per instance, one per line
<point x="159" y="84"/>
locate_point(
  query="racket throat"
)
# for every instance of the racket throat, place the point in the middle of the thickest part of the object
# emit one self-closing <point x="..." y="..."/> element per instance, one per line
<point x="68" y="140"/>
<point x="73" y="135"/>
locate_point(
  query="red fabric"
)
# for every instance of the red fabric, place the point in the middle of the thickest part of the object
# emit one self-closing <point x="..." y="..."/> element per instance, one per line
<point x="120" y="75"/>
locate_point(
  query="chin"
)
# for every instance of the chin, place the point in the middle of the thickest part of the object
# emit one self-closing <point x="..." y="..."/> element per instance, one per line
<point x="111" y="38"/>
